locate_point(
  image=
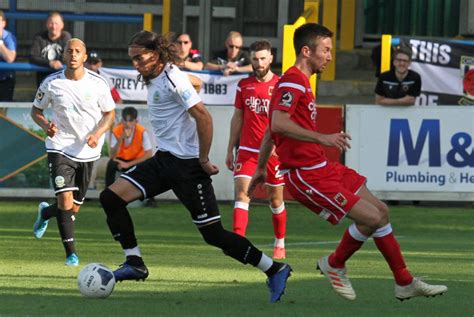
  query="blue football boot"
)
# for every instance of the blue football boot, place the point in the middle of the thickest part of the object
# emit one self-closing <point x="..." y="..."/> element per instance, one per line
<point x="41" y="224"/>
<point x="277" y="283"/>
<point x="130" y="272"/>
<point x="72" y="260"/>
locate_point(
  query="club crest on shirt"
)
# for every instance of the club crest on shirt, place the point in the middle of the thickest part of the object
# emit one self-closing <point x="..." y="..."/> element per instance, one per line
<point x="87" y="96"/>
<point x="340" y="199"/>
<point x="405" y="88"/>
<point x="156" y="97"/>
<point x="59" y="181"/>
<point x="238" y="167"/>
<point x="270" y="90"/>
<point x="286" y="99"/>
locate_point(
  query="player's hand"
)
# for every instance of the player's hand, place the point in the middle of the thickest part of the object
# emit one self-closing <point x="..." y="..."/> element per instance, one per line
<point x="229" y="161"/>
<point x="55" y="64"/>
<point x="258" y="178"/>
<point x="339" y="140"/>
<point x="209" y="168"/>
<point x="51" y="130"/>
<point x="92" y="140"/>
<point x="227" y="72"/>
<point x="122" y="165"/>
<point x="126" y="133"/>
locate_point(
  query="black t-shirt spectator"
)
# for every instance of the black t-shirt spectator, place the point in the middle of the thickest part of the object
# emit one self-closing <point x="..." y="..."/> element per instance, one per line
<point x="44" y="50"/>
<point x="220" y="58"/>
<point x="389" y="86"/>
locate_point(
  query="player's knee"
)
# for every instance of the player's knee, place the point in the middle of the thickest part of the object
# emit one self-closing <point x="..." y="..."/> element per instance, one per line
<point x="275" y="202"/>
<point x="374" y="220"/>
<point x="384" y="213"/>
<point x="213" y="234"/>
<point x="110" y="201"/>
<point x="65" y="200"/>
<point x="242" y="197"/>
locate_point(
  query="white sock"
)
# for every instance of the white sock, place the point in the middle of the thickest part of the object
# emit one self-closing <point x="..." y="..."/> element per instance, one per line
<point x="265" y="263"/>
<point x="279" y="243"/>
<point x="135" y="251"/>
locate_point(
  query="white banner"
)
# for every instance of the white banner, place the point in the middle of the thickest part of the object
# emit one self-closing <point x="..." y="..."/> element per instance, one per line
<point x="216" y="90"/>
<point x="418" y="149"/>
<point x="446" y="68"/>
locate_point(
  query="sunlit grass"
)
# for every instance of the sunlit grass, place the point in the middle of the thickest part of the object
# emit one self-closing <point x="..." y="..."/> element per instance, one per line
<point x="188" y="277"/>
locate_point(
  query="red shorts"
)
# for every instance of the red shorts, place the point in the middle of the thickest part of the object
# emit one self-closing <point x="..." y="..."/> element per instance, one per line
<point x="329" y="191"/>
<point x="246" y="165"/>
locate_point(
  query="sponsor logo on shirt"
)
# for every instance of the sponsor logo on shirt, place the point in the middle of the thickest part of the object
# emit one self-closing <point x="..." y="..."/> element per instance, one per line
<point x="312" y="109"/>
<point x="257" y="105"/>
<point x="186" y="95"/>
<point x="202" y="216"/>
<point x="286" y="99"/>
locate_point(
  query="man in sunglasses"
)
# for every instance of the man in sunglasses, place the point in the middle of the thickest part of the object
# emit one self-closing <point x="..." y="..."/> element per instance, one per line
<point x="233" y="59"/>
<point x="400" y="85"/>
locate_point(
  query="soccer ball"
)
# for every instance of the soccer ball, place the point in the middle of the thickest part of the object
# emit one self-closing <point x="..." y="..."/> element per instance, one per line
<point x="96" y="280"/>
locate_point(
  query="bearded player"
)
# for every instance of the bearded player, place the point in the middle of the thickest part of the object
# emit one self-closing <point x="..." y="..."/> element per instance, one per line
<point x="247" y="128"/>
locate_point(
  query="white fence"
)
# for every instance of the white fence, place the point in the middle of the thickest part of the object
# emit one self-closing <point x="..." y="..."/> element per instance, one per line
<point x="413" y="153"/>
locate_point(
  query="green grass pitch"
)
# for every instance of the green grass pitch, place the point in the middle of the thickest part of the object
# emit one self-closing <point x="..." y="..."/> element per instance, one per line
<point x="189" y="278"/>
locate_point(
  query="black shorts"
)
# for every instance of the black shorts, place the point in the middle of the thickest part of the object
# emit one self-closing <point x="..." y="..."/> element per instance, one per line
<point x="186" y="178"/>
<point x="68" y="175"/>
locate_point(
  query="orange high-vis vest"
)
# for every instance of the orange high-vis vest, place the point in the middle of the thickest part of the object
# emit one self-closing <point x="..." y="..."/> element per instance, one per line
<point x="135" y="149"/>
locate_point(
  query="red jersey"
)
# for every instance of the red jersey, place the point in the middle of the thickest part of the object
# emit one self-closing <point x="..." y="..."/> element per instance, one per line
<point x="253" y="98"/>
<point x="293" y="95"/>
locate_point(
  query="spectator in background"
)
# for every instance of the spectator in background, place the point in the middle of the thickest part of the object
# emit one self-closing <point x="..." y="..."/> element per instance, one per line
<point x="400" y="85"/>
<point x="94" y="63"/>
<point x="48" y="46"/>
<point x="7" y="54"/>
<point x="191" y="57"/>
<point x="233" y="59"/>
<point x="130" y="144"/>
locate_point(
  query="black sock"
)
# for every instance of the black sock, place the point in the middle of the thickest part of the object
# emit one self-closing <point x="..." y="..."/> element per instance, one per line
<point x="233" y="245"/>
<point x="275" y="268"/>
<point x="50" y="211"/>
<point x="135" y="260"/>
<point x="66" y="229"/>
<point x="118" y="218"/>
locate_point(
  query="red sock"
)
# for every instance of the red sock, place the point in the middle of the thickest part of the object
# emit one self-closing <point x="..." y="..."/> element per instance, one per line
<point x="279" y="221"/>
<point x="351" y="241"/>
<point x="241" y="218"/>
<point x="390" y="249"/>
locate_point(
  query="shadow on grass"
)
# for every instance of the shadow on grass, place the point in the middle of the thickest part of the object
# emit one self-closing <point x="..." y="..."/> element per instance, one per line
<point x="307" y="297"/>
